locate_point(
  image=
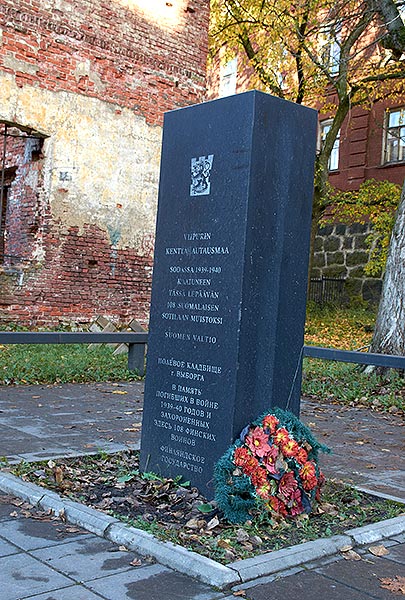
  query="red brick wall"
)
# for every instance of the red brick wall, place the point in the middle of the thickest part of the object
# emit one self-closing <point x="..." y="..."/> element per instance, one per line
<point x="141" y="66"/>
<point x="83" y="277"/>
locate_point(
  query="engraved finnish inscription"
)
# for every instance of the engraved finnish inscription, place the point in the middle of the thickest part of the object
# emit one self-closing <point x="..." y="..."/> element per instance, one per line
<point x="193" y="299"/>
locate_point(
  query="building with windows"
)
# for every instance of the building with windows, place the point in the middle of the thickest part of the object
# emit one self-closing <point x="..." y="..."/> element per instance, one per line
<point x="371" y="139"/>
<point x="83" y="88"/>
<point x="370" y="144"/>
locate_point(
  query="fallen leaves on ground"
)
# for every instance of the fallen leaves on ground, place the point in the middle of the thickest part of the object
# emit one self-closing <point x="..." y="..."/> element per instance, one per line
<point x="396" y="584"/>
<point x="350" y="555"/>
<point x="179" y="513"/>
<point x="379" y="550"/>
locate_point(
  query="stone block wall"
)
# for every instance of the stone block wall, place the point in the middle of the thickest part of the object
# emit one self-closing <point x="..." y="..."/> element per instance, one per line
<point x="341" y="251"/>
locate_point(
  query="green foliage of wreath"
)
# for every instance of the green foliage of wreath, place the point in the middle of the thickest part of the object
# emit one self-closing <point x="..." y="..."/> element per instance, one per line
<point x="235" y="493"/>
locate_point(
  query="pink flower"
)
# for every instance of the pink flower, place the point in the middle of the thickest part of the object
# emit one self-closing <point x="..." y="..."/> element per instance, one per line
<point x="269" y="461"/>
<point x="257" y="441"/>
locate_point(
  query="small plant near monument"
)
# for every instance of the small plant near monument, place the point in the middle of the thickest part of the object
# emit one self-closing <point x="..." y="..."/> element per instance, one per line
<point x="273" y="466"/>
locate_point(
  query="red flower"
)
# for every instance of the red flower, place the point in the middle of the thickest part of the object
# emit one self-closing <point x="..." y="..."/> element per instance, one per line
<point x="257" y="441"/>
<point x="263" y="490"/>
<point x="287" y="486"/>
<point x="321" y="481"/>
<point x="250" y="466"/>
<point x="294" y="504"/>
<point x="240" y="456"/>
<point x="259" y="477"/>
<point x="289" y="448"/>
<point x="281" y="435"/>
<point x="278" y="506"/>
<point x="243" y="458"/>
<point x="302" y="456"/>
<point x="270" y="422"/>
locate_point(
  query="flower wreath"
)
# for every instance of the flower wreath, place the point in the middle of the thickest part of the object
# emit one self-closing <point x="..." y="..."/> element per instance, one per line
<point x="274" y="465"/>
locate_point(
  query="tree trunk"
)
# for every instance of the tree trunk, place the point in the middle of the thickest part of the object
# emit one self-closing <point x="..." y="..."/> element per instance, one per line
<point x="389" y="333"/>
<point x="394" y="39"/>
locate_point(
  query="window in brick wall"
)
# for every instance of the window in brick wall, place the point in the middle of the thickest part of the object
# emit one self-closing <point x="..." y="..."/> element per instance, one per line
<point x="394" y="142"/>
<point x="330" y="41"/>
<point x="20" y="190"/>
<point x="333" y="164"/>
<point x="227" y="78"/>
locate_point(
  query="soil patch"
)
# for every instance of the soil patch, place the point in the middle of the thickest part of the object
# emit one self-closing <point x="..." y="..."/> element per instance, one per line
<point x="179" y="513"/>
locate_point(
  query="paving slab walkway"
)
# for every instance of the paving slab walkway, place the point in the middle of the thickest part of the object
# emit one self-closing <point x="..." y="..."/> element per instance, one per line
<point x="43" y="558"/>
<point x="64" y="420"/>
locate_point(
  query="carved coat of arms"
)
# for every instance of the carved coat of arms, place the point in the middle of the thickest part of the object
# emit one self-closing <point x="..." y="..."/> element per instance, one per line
<point x="200" y="175"/>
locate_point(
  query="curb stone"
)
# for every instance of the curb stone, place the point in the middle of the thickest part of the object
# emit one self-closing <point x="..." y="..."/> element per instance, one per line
<point x="173" y="556"/>
<point x="280" y="560"/>
<point x="188" y="562"/>
<point x="176" y="557"/>
<point x="377" y="531"/>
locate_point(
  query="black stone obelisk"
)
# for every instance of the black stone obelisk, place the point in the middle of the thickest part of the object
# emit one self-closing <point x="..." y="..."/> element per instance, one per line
<point x="230" y="276"/>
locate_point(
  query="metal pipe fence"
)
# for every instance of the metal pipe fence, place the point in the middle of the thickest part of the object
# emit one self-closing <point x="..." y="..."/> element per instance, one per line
<point x="326" y="290"/>
<point x="137" y="347"/>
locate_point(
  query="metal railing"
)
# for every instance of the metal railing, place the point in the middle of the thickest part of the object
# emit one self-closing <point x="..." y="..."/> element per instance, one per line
<point x="137" y="347"/>
<point x="390" y="361"/>
<point x="326" y="290"/>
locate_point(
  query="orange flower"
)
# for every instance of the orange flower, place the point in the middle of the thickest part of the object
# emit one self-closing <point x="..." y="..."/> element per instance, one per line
<point x="243" y="458"/>
<point x="277" y="505"/>
<point x="308" y="476"/>
<point x="281" y="435"/>
<point x="290" y="448"/>
<point x="240" y="456"/>
<point x="270" y="422"/>
<point x="250" y="466"/>
<point x="259" y="477"/>
<point x="308" y="470"/>
<point x="263" y="490"/>
<point x="302" y="456"/>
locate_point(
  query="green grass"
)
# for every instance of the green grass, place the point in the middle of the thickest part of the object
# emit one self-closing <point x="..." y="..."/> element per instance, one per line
<point x="347" y="384"/>
<point x="64" y="363"/>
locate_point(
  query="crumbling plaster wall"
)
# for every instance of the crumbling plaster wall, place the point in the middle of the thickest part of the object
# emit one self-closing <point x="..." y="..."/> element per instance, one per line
<point x="101" y="162"/>
<point x="95" y="78"/>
